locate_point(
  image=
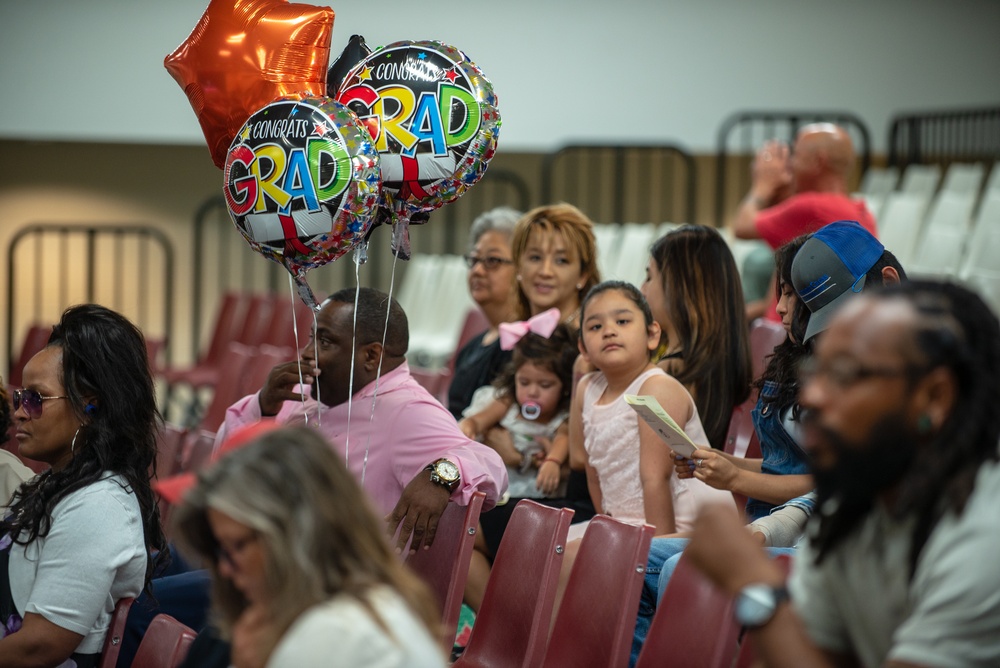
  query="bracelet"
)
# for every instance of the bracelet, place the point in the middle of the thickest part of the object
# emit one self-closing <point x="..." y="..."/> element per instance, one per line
<point x="553" y="460"/>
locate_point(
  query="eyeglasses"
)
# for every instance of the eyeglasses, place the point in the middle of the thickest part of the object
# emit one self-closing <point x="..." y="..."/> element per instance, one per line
<point x="844" y="373"/>
<point x="229" y="555"/>
<point x="491" y="263"/>
<point x="32" y="402"/>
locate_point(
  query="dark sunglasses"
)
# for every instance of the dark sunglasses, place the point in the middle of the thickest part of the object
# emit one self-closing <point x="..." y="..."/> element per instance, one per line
<point x="32" y="402"/>
<point x="490" y="262"/>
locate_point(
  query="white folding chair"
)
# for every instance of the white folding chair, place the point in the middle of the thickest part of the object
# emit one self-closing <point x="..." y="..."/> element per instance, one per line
<point x="984" y="243"/>
<point x="633" y="252"/>
<point x="902" y="222"/>
<point x="608" y="237"/>
<point x="939" y="252"/>
<point x="921" y="179"/>
<point x="964" y="177"/>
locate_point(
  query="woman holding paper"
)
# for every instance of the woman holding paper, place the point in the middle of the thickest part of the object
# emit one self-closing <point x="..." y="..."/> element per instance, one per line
<point x="694" y="292"/>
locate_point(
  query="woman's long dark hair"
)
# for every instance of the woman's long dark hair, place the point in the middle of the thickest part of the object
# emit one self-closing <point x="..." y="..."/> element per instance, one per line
<point x="704" y="301"/>
<point x="783" y="363"/>
<point x="103" y="362"/>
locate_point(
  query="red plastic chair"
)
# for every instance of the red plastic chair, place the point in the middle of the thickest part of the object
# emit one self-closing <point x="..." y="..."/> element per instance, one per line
<point x="693" y="624"/>
<point x="197" y="451"/>
<point x="764" y="336"/>
<point x="596" y="620"/>
<point x="116" y="631"/>
<point x="512" y="626"/>
<point x="257" y="320"/>
<point x="229" y="385"/>
<point x="206" y="371"/>
<point x="445" y="566"/>
<point x="35" y="339"/>
<point x="165" y="643"/>
<point x="169" y="444"/>
<point x="262" y="361"/>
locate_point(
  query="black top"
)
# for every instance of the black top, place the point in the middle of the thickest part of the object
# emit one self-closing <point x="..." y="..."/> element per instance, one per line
<point x="475" y="365"/>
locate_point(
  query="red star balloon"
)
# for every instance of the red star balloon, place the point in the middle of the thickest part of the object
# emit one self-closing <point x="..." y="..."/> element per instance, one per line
<point x="245" y="53"/>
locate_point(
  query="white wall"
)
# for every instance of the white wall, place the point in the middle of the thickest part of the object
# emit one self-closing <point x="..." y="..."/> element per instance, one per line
<point x="642" y="70"/>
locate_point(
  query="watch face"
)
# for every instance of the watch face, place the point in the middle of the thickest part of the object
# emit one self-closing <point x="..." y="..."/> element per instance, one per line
<point x="755" y="605"/>
<point x="446" y="470"/>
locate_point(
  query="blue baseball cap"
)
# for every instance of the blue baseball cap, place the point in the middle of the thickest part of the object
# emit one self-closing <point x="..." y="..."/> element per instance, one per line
<point x="830" y="267"/>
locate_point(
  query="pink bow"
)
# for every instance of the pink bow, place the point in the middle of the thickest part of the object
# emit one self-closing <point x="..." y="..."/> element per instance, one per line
<point x="542" y="324"/>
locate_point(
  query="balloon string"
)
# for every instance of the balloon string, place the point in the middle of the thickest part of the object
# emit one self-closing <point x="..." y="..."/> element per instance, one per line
<point x="295" y="330"/>
<point x="350" y="381"/>
<point x="378" y="372"/>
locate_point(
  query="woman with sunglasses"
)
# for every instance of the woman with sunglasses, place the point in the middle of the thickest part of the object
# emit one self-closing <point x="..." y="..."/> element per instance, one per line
<point x="491" y="277"/>
<point x="78" y="537"/>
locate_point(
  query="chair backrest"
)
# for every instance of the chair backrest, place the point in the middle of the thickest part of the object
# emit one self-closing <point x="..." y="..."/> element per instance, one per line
<point x="921" y="178"/>
<point x="445" y="566"/>
<point x="253" y="331"/>
<point x="596" y="619"/>
<point x="693" y="624"/>
<point x="264" y="358"/>
<point x="197" y="449"/>
<point x="230" y="315"/>
<point x="512" y="627"/>
<point x="229" y="386"/>
<point x="169" y="444"/>
<point x="165" y="643"/>
<point x="764" y="336"/>
<point x="34" y="340"/>
<point x="116" y="631"/>
<point x="901" y="223"/>
<point x="964" y="177"/>
<point x="983" y="251"/>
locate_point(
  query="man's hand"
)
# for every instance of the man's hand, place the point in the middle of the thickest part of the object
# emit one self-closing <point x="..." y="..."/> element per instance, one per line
<point x="771" y="172"/>
<point x="727" y="554"/>
<point x="280" y="386"/>
<point x="418" y="512"/>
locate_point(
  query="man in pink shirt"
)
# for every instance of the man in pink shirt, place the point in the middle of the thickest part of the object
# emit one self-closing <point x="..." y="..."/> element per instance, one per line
<point x="817" y="174"/>
<point x="401" y="443"/>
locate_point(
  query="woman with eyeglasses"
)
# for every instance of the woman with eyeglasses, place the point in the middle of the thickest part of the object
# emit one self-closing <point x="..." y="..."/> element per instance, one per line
<point x="303" y="575"/>
<point x="78" y="537"/>
<point x="491" y="275"/>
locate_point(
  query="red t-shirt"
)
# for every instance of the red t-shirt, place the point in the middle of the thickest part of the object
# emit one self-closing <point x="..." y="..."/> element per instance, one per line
<point x="804" y="213"/>
<point x="807" y="212"/>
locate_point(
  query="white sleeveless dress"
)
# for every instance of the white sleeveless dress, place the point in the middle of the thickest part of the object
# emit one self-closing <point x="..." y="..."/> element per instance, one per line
<point x="611" y="438"/>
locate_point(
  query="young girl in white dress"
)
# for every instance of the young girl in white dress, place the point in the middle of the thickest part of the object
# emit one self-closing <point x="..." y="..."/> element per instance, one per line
<point x="629" y="469"/>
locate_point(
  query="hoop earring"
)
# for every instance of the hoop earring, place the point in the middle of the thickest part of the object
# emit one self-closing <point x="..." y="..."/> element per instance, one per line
<point x="72" y="443"/>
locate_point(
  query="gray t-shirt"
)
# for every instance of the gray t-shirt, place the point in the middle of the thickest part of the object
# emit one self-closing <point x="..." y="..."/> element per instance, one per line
<point x="93" y="555"/>
<point x="861" y="601"/>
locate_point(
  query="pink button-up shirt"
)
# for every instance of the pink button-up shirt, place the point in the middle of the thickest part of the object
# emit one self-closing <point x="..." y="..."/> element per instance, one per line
<point x="409" y="430"/>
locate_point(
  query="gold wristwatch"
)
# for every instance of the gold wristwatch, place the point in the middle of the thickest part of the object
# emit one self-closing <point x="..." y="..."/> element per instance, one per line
<point x="445" y="473"/>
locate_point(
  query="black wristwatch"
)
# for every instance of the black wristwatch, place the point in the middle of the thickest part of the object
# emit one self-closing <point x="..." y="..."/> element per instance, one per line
<point x="756" y="604"/>
<point x="445" y="473"/>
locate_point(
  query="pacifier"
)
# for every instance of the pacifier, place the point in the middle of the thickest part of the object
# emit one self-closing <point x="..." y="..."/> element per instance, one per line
<point x="530" y="410"/>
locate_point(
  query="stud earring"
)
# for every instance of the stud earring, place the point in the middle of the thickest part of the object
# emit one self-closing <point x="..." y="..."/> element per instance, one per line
<point x="924" y="424"/>
<point x="579" y="286"/>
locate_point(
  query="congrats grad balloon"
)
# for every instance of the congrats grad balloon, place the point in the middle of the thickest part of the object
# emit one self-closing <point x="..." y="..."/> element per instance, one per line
<point x="302" y="183"/>
<point x="434" y="120"/>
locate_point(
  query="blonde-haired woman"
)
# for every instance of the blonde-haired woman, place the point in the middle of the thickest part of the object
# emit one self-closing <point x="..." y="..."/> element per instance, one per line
<point x="555" y="257"/>
<point x="303" y="575"/>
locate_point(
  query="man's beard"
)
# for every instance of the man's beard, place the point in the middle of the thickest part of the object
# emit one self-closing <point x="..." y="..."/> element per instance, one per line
<point x="862" y="471"/>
